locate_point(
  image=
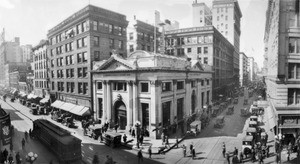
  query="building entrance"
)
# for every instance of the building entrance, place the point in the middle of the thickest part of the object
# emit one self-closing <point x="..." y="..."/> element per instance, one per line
<point x="120" y="114"/>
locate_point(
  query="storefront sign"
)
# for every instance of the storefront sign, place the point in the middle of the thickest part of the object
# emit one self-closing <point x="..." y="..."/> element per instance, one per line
<point x="71" y="100"/>
<point x="5" y="130"/>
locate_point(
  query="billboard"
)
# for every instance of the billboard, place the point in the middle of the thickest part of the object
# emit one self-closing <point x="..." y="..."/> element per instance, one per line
<point x="5" y="134"/>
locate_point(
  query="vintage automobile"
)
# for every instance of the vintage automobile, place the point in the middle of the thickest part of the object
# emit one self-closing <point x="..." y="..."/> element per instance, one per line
<point x="215" y="111"/>
<point x="253" y="124"/>
<point x="251" y="132"/>
<point x="94" y="131"/>
<point x="247" y="144"/>
<point x="255" y="103"/>
<point x="254" y="110"/>
<point x="195" y="127"/>
<point x="236" y="101"/>
<point x="245" y="101"/>
<point x="223" y="106"/>
<point x="220" y="121"/>
<point x="230" y="110"/>
<point x="112" y="139"/>
<point x="34" y="108"/>
<point x="253" y="118"/>
<point x="245" y="112"/>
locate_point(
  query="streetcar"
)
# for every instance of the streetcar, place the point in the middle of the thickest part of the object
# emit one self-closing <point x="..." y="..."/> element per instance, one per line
<point x="65" y="146"/>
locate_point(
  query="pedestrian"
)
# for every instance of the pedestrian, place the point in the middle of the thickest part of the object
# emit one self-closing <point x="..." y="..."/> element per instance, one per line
<point x="223" y="149"/>
<point x="184" y="150"/>
<point x="278" y="160"/>
<point x="289" y="151"/>
<point x="260" y="157"/>
<point x="253" y="155"/>
<point x="163" y="138"/>
<point x="141" y="139"/>
<point x="140" y="156"/>
<point x="130" y="130"/>
<point x="11" y="146"/>
<point x="235" y="152"/>
<point x="227" y="157"/>
<point x="124" y="138"/>
<point x="18" y="158"/>
<point x="150" y="151"/>
<point x="10" y="159"/>
<point x="267" y="137"/>
<point x="133" y="133"/>
<point x="191" y="147"/>
<point x="23" y="143"/>
<point x="26" y="136"/>
<point x="96" y="159"/>
<point x="5" y="154"/>
<point x="193" y="153"/>
<point x="116" y="127"/>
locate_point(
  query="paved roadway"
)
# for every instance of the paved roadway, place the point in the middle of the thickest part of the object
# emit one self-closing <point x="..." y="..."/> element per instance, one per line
<point x="22" y="120"/>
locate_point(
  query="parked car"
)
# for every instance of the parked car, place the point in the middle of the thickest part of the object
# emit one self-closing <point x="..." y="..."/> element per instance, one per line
<point x="230" y="110"/>
<point x="220" y="121"/>
<point x="236" y="101"/>
<point x="247" y="144"/>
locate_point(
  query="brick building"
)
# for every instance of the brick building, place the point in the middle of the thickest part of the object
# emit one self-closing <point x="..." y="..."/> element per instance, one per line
<point x="74" y="44"/>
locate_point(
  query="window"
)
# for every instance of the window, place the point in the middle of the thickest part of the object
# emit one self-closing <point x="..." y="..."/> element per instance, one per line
<point x="226" y="17"/>
<point x="52" y="74"/>
<point x="120" y="45"/>
<point x="217" y="18"/>
<point x="193" y="83"/>
<point x="205" y="50"/>
<point x="84" y="72"/>
<point x="202" y="82"/>
<point x="189" y="50"/>
<point x="143" y="47"/>
<point x="80" y="87"/>
<point x="207" y="82"/>
<point x="144" y="87"/>
<point x="53" y="85"/>
<point x="99" y="85"/>
<point x="205" y="60"/>
<point x="72" y="72"/>
<point x="82" y="42"/>
<point x="67" y="73"/>
<point x="84" y="24"/>
<point x="111" y="43"/>
<point x="79" y="72"/>
<point x="166" y="86"/>
<point x="82" y="57"/>
<point x="78" y="29"/>
<point x="85" y="88"/>
<point x="199" y="50"/>
<point x="96" y="40"/>
<point x="110" y="29"/>
<point x="52" y="63"/>
<point x="72" y="87"/>
<point x="226" y="26"/>
<point x="294" y="18"/>
<point x="119" y="86"/>
<point x="131" y="36"/>
<point x="294" y="45"/>
<point x="293" y="96"/>
<point x="131" y="49"/>
<point x="68" y="86"/>
<point x="148" y="48"/>
<point x="180" y="85"/>
<point x="95" y="25"/>
<point x="294" y="71"/>
<point x="97" y="55"/>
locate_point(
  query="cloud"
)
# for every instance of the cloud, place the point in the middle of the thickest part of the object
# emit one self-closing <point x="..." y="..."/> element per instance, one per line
<point x="7" y="4"/>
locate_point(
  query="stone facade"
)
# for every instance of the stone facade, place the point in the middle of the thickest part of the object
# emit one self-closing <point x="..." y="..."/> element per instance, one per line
<point x="152" y="89"/>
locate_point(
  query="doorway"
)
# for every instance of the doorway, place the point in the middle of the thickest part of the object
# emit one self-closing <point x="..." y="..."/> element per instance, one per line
<point x="120" y="114"/>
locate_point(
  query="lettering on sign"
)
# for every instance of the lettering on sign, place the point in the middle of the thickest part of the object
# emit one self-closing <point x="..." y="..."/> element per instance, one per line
<point x="71" y="100"/>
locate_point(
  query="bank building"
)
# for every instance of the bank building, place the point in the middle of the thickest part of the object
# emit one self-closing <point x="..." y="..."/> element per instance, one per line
<point x="151" y="90"/>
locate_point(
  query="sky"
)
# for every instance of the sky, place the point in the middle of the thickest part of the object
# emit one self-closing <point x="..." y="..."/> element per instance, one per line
<point x="31" y="19"/>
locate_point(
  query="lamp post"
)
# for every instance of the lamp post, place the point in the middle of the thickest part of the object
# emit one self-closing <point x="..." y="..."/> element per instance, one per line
<point x="31" y="157"/>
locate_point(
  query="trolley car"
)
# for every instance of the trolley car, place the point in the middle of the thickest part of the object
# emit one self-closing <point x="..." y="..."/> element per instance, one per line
<point x="64" y="145"/>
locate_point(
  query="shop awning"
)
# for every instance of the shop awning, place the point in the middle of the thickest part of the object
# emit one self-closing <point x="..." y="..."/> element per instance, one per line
<point x="80" y="110"/>
<point x="85" y="111"/>
<point x="67" y="106"/>
<point x="57" y="104"/>
<point x="44" y="100"/>
<point x="30" y="96"/>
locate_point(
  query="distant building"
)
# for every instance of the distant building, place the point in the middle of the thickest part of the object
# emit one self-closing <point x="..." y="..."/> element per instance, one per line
<point x="202" y="15"/>
<point x="12" y="67"/>
<point x="209" y="46"/>
<point x="251" y="68"/>
<point x="26" y="53"/>
<point x="15" y="77"/>
<point x="140" y="36"/>
<point x="154" y="91"/>
<point x="40" y="69"/>
<point x="282" y="50"/>
<point x="243" y="69"/>
<point x="10" y="51"/>
<point x="89" y="35"/>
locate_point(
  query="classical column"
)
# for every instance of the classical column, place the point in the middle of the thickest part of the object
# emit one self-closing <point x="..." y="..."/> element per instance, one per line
<point x="135" y="101"/>
<point x="129" y="108"/>
<point x="188" y="96"/>
<point x="104" y="117"/>
<point x="155" y="110"/>
<point x="95" y="105"/>
<point x="108" y="105"/>
<point x="174" y="106"/>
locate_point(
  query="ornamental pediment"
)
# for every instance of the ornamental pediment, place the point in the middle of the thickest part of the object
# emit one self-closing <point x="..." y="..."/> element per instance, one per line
<point x="116" y="65"/>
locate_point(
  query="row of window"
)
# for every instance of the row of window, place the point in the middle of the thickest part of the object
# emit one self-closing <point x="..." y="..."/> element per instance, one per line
<point x="40" y="74"/>
<point x="40" y="65"/>
<point x="40" y="55"/>
<point x="144" y="86"/>
<point x="294" y="45"/>
<point x="70" y="87"/>
<point x="189" y="40"/>
<point x="181" y="52"/>
<point x="70" y="73"/>
<point x="110" y="28"/>
<point x="69" y="60"/>
<point x="79" y="28"/>
<point x="41" y="84"/>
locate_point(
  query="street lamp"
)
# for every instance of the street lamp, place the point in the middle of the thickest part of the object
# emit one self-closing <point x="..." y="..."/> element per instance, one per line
<point x="31" y="157"/>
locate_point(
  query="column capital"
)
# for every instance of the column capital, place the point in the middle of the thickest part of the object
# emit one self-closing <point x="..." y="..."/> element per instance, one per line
<point x="135" y="82"/>
<point x="130" y="82"/>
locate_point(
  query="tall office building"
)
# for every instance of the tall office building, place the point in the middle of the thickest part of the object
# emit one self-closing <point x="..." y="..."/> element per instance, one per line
<point x="243" y="69"/>
<point x="251" y="68"/>
<point x="202" y="15"/>
<point x="89" y="35"/>
<point x="282" y="48"/>
<point x="26" y="53"/>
